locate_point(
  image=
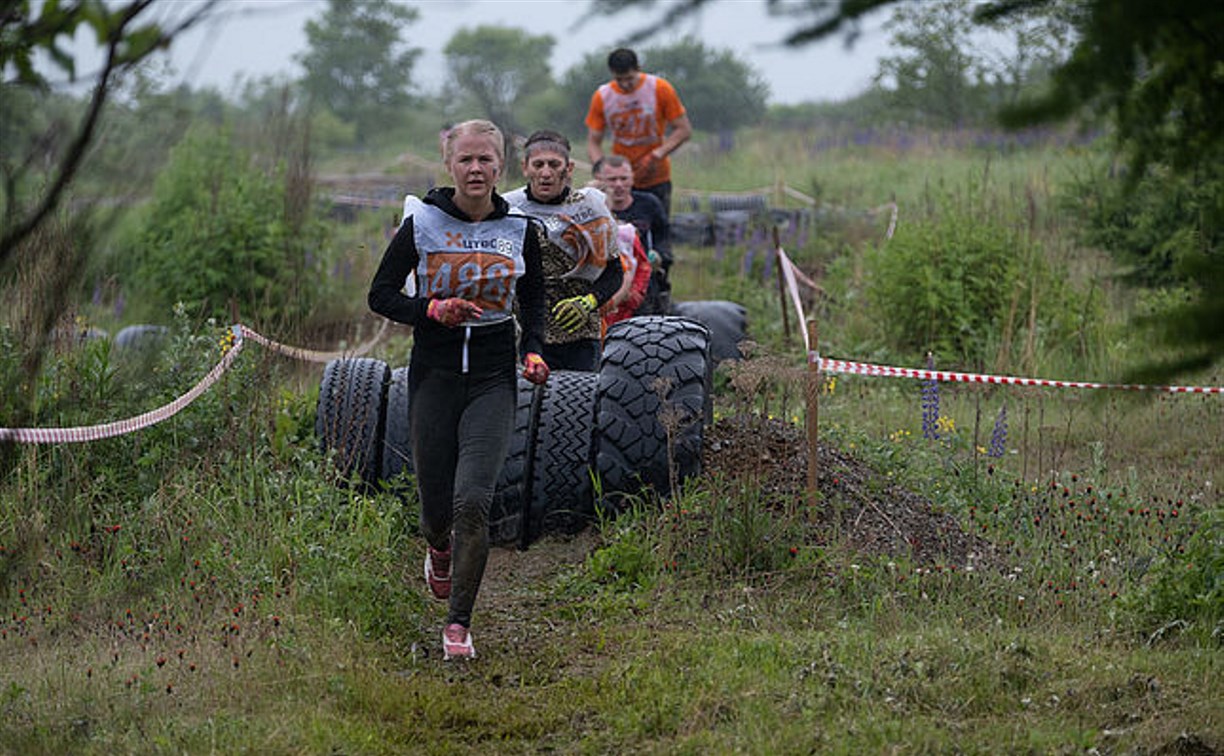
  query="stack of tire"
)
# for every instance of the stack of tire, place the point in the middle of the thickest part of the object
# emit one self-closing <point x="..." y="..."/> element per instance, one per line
<point x="585" y="444"/>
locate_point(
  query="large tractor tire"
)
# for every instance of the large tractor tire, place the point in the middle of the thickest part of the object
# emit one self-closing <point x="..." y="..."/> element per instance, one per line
<point x="726" y="321"/>
<point x="507" y="523"/>
<point x="351" y="416"/>
<point x="654" y="384"/>
<point x="561" y="498"/>
<point x="397" y="446"/>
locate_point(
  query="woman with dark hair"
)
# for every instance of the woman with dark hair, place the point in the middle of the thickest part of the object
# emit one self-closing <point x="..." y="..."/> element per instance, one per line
<point x="580" y="253"/>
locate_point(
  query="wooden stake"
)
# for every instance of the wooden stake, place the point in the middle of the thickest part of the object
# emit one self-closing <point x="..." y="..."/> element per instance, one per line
<point x="813" y="417"/>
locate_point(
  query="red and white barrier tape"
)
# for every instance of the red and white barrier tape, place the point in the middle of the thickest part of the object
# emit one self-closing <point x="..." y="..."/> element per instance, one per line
<point x="152" y="417"/>
<point x="803" y="278"/>
<point x="885" y="371"/>
<point x="788" y="273"/>
<point x="311" y="355"/>
<point x="892" y="221"/>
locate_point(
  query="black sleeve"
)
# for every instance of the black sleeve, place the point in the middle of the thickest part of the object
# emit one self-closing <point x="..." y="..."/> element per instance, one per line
<point x="386" y="295"/>
<point x="529" y="292"/>
<point x="660" y="234"/>
<point x="609" y="281"/>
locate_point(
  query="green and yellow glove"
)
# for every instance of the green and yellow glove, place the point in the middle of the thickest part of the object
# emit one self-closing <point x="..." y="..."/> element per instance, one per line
<point x="570" y="314"/>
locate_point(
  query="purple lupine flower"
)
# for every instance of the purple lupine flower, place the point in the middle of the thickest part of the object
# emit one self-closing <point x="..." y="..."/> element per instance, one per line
<point x="930" y="403"/>
<point x="998" y="437"/>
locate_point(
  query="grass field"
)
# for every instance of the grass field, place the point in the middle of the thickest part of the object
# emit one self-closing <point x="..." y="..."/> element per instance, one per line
<point x="205" y="586"/>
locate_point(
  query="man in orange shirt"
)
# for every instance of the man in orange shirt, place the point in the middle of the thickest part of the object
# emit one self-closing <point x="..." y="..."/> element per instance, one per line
<point x="646" y="119"/>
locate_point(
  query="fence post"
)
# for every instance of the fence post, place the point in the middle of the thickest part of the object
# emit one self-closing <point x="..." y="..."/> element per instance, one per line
<point x="813" y="415"/>
<point x="777" y="245"/>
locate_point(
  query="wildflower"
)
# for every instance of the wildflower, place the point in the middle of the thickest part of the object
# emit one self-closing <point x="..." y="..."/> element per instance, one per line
<point x="227" y="342"/>
<point x="998" y="437"/>
<point x="930" y="403"/>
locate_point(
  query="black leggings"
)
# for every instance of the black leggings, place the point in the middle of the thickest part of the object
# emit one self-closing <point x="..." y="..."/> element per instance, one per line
<point x="461" y="427"/>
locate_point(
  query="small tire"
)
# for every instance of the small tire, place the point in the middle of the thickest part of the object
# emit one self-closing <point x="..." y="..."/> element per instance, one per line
<point x="141" y="337"/>
<point x="726" y="321"/>
<point x="350" y="417"/>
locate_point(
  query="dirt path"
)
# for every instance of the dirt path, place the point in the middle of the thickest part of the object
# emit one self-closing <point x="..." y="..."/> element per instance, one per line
<point x="514" y="604"/>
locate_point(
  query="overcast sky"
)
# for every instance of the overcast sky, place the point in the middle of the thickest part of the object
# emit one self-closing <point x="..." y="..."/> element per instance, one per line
<point x="255" y="38"/>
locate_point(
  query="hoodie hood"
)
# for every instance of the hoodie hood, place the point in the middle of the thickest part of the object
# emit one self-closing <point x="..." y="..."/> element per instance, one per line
<point x="443" y="197"/>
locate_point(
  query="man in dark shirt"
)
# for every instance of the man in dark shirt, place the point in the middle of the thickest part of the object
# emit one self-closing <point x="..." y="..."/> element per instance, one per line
<point x="646" y="213"/>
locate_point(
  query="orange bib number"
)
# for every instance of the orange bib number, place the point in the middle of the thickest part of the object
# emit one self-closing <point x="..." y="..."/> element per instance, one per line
<point x="487" y="283"/>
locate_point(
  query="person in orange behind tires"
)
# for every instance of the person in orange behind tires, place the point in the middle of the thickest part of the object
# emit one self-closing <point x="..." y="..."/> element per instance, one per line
<point x="646" y="119"/>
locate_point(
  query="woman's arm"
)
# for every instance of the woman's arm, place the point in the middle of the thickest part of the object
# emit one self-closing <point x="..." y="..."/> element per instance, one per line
<point x="386" y="296"/>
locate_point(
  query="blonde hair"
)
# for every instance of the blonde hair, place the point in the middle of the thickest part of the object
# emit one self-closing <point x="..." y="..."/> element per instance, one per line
<point x="475" y="127"/>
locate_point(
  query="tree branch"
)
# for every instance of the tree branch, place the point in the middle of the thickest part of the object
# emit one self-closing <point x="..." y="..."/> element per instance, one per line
<point x="75" y="154"/>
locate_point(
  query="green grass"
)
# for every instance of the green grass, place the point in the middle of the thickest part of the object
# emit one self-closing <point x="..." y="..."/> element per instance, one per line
<point x="209" y="586"/>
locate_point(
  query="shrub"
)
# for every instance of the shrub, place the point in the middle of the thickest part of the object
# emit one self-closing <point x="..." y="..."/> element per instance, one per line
<point x="220" y="232"/>
<point x="965" y="282"/>
<point x="1153" y="225"/>
<point x="945" y="282"/>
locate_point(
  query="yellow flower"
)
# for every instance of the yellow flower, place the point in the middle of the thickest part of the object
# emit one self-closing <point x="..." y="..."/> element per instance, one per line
<point x="226" y="342"/>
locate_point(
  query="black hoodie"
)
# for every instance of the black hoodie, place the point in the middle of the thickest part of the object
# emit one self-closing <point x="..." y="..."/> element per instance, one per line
<point x="435" y="345"/>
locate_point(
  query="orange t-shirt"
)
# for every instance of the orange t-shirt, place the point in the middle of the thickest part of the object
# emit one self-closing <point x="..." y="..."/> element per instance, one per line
<point x="638" y="122"/>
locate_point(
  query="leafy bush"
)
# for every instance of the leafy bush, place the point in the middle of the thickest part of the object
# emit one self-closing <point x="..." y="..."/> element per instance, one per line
<point x="220" y="232"/>
<point x="961" y="282"/>
<point x="945" y="283"/>
<point x="1152" y="226"/>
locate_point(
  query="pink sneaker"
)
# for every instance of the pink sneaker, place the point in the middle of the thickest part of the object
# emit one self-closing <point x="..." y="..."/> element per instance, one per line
<point x="457" y="643"/>
<point x="437" y="572"/>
